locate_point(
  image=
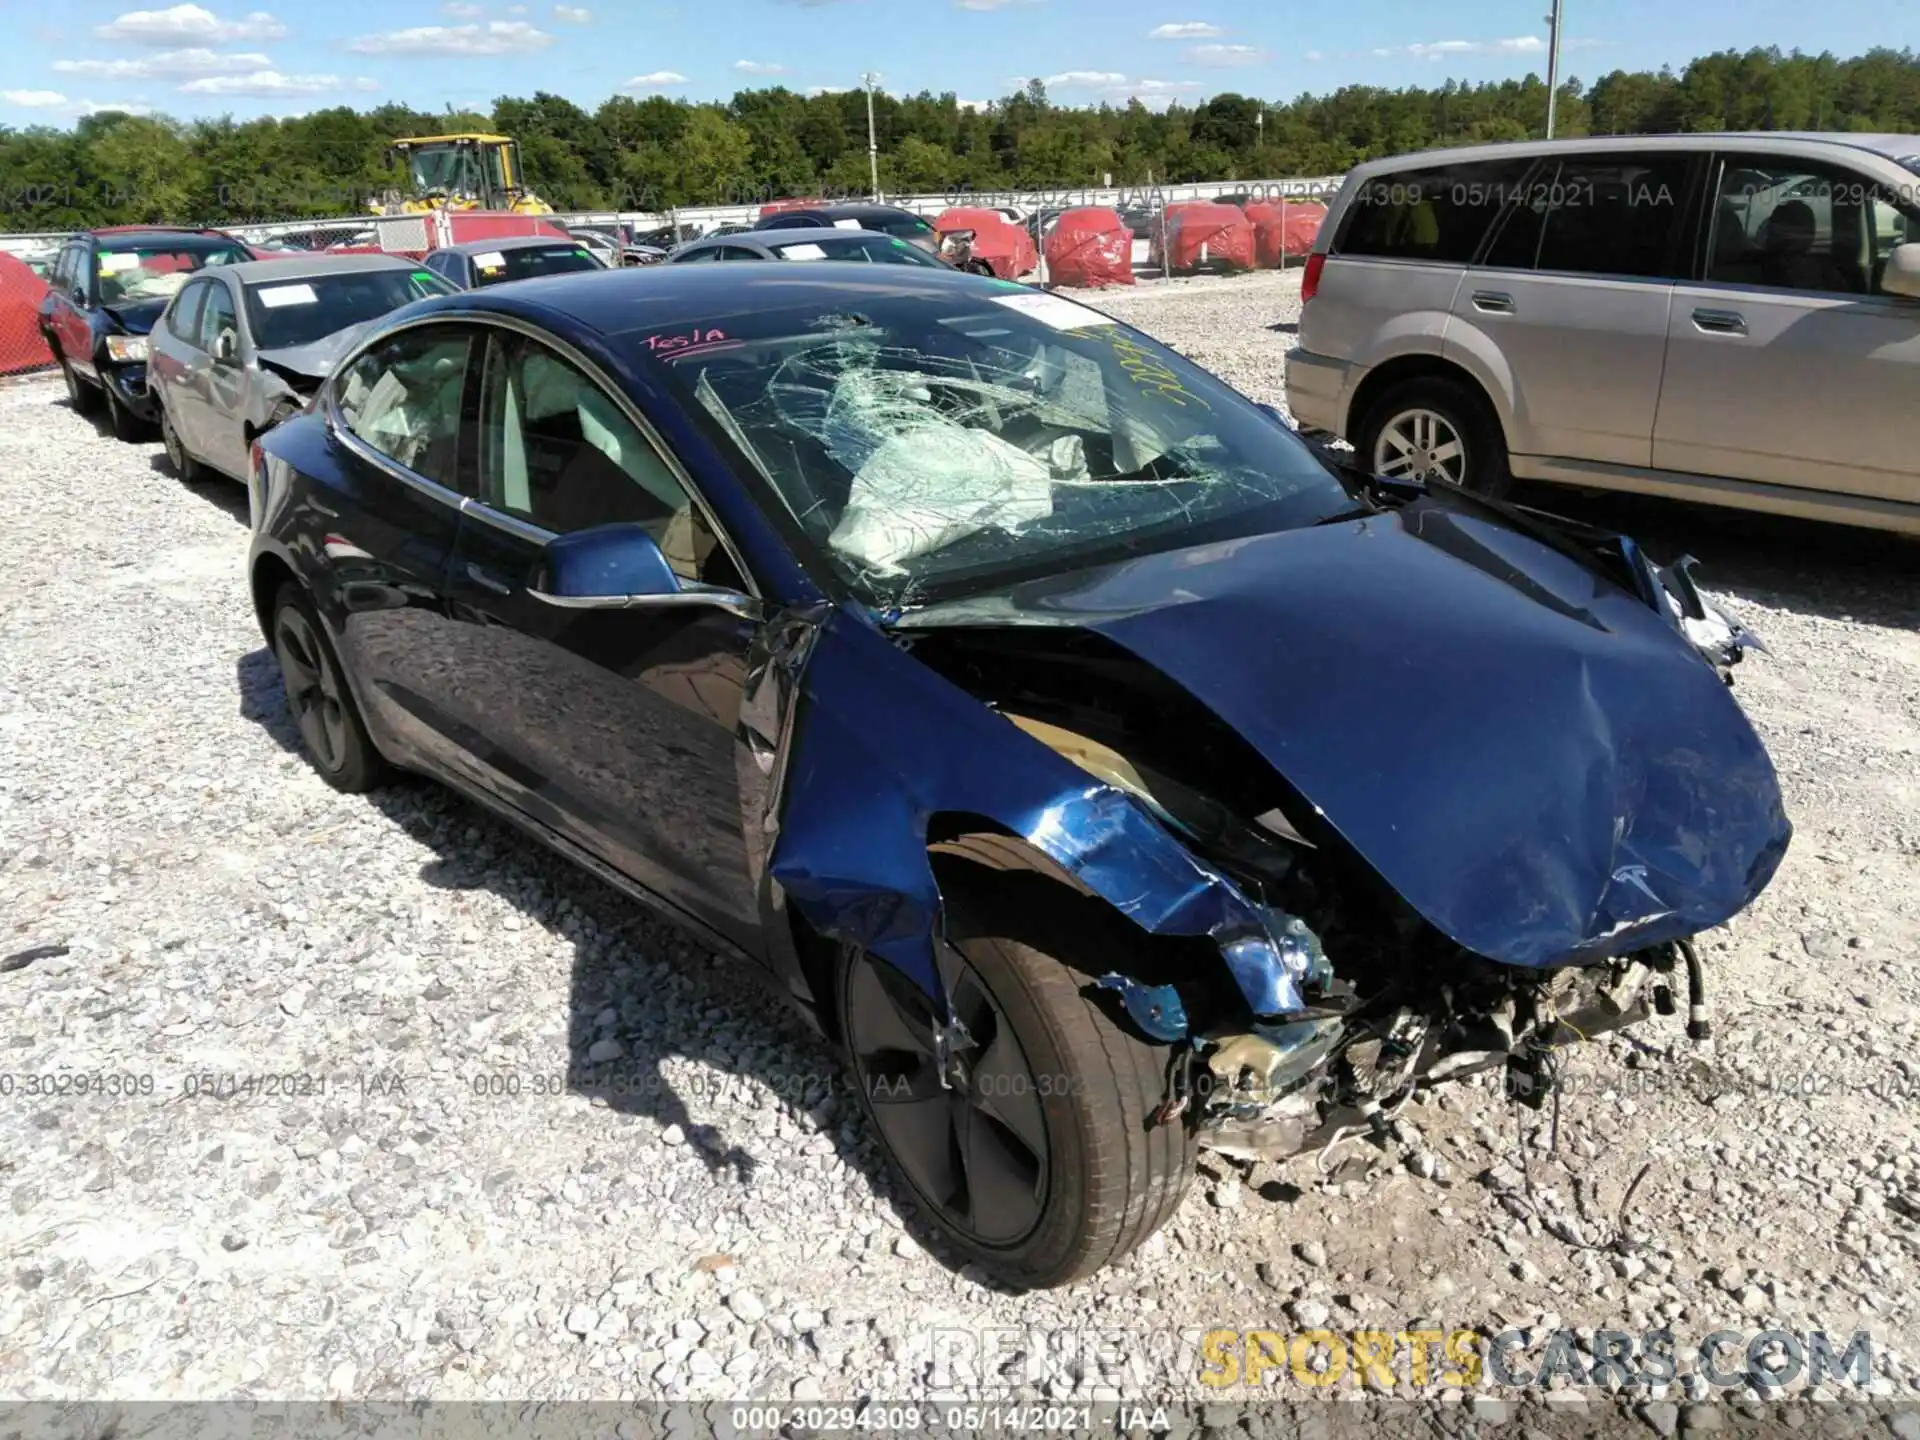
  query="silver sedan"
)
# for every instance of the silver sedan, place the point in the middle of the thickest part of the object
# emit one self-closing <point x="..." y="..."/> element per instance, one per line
<point x="241" y="347"/>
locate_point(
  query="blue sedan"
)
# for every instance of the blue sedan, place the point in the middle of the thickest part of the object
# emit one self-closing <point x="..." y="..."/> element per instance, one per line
<point x="1105" y="772"/>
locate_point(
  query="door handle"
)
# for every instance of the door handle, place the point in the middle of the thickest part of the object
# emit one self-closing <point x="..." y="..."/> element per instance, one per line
<point x="1720" y="322"/>
<point x="487" y="580"/>
<point x="1493" y="302"/>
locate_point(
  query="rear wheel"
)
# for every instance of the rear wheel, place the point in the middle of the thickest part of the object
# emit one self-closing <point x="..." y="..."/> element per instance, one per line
<point x="318" y="699"/>
<point x="1022" y="1129"/>
<point x="1433" y="428"/>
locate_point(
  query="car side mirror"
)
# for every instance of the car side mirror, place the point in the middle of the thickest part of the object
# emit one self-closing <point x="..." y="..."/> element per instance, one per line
<point x="621" y="567"/>
<point x="1902" y="275"/>
<point x="226" y="345"/>
<point x="78" y="295"/>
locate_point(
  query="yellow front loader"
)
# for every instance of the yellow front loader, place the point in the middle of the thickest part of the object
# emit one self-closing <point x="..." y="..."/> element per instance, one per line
<point x="462" y="172"/>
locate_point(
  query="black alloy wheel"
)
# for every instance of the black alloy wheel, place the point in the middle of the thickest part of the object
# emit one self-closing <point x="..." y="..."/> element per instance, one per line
<point x="958" y="1105"/>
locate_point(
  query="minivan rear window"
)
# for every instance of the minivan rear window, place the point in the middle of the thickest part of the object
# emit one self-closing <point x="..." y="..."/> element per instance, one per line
<point x="1437" y="213"/>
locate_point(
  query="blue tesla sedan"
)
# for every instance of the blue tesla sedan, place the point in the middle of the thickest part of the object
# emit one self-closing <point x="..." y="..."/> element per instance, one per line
<point x="1106" y="772"/>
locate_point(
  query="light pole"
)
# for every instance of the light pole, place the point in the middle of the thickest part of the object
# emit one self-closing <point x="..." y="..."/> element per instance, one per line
<point x="1553" y="64"/>
<point x="873" y="144"/>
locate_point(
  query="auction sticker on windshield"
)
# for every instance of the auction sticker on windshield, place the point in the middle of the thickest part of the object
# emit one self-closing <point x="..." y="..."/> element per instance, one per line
<point x="1052" y="310"/>
<point x="846" y="224"/>
<point x="273" y="297"/>
<point x="490" y="260"/>
<point x="124" y="260"/>
<point x="803" y="252"/>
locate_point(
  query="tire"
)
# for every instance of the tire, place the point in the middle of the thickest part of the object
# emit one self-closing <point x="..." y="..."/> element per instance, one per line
<point x="184" y="465"/>
<point x="1449" y="412"/>
<point x="318" y="698"/>
<point x="126" y="425"/>
<point x="84" y="398"/>
<point x="1025" y="955"/>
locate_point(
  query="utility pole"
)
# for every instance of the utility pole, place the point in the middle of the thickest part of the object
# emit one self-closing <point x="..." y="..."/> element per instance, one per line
<point x="873" y="143"/>
<point x="1553" y="64"/>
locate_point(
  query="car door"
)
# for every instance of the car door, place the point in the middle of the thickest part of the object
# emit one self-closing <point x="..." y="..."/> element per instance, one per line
<point x="177" y="363"/>
<point x="217" y="387"/>
<point x="71" y="325"/>
<point x="1787" y="364"/>
<point x="1572" y="296"/>
<point x="388" y="528"/>
<point x="615" y="729"/>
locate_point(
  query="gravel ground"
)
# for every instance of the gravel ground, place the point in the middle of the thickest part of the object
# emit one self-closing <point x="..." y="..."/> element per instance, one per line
<point x="524" y="1140"/>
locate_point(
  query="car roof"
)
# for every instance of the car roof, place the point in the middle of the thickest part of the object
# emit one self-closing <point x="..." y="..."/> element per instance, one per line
<point x="321" y="263"/>
<point x="504" y="242"/>
<point x="614" y="303"/>
<point x="1894" y="147"/>
<point x="161" y="235"/>
<point x="792" y="235"/>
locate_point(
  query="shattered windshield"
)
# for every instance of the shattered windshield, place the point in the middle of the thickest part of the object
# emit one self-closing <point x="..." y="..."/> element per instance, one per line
<point x="937" y="444"/>
<point x="154" y="272"/>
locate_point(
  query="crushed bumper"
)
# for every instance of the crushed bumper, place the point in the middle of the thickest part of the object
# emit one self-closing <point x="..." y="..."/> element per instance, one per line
<point x="129" y="384"/>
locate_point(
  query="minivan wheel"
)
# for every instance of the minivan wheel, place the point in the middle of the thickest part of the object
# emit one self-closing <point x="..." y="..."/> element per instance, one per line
<point x="1435" y="429"/>
<point x="126" y="425"/>
<point x="318" y="699"/>
<point x="1022" y="1129"/>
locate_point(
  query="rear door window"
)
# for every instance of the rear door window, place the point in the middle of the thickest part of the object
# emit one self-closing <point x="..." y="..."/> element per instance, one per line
<point x="1614" y="214"/>
<point x="1440" y="213"/>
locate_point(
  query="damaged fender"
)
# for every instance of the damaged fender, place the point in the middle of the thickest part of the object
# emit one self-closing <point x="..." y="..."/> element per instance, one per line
<point x="882" y="744"/>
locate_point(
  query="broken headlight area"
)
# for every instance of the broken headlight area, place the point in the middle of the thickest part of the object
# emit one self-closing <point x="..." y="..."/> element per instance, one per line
<point x="1281" y="1089"/>
<point x="1720" y="638"/>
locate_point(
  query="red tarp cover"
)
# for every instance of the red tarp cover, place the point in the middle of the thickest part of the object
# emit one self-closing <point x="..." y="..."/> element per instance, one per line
<point x="1284" y="231"/>
<point x="1204" y="232"/>
<point x="21" y="291"/>
<point x="1090" y="247"/>
<point x="1006" y="248"/>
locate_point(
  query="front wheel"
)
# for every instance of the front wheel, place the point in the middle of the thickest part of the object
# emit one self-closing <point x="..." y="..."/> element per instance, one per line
<point x="84" y="399"/>
<point x="126" y="425"/>
<point x="1433" y="428"/>
<point x="184" y="465"/>
<point x="1022" y="1127"/>
<point x="318" y="699"/>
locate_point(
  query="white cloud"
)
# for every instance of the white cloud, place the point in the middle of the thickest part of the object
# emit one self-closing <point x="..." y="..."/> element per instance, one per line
<point x="1083" y="79"/>
<point x="189" y="23"/>
<point x="657" y="80"/>
<point x="1314" y="55"/>
<point x="109" y="107"/>
<point x="1185" y="30"/>
<point x="265" y="84"/>
<point x="460" y="10"/>
<point x="973" y="104"/>
<point x="496" y="37"/>
<point x="758" y="67"/>
<point x="167" y="65"/>
<point x="33" y="99"/>
<point x="1224" y="56"/>
<point x="1442" y="49"/>
<point x="813" y="90"/>
<point x="573" y="14"/>
<point x="1112" y="87"/>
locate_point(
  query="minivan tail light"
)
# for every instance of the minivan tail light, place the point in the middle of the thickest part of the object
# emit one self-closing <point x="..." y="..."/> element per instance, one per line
<point x="1310" y="282"/>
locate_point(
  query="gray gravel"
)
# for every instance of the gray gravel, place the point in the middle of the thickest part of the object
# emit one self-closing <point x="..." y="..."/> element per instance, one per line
<point x="562" y="1153"/>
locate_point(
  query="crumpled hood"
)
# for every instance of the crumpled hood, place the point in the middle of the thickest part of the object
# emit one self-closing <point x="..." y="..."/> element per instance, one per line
<point x="1528" y="754"/>
<point x="317" y="358"/>
<point x="137" y="317"/>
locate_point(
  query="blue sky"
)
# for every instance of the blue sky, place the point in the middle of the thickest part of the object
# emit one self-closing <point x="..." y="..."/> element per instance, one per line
<point x="194" y="59"/>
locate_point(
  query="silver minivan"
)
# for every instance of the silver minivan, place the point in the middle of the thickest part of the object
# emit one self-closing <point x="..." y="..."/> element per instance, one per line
<point x="1730" y="318"/>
